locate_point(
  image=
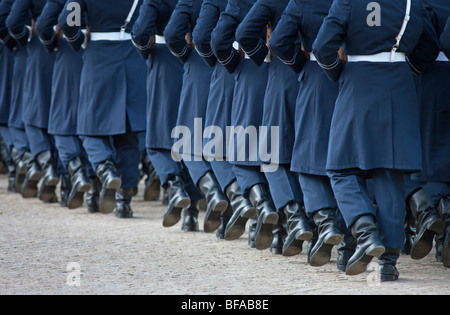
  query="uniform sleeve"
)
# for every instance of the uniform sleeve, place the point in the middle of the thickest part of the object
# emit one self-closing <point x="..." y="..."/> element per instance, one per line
<point x="5" y="37"/>
<point x="46" y="22"/>
<point x="223" y="37"/>
<point x="73" y="33"/>
<point x="17" y="21"/>
<point x="284" y="38"/>
<point x="176" y="30"/>
<point x="445" y="39"/>
<point x="331" y="37"/>
<point x="207" y="21"/>
<point x="145" y="27"/>
<point x="427" y="50"/>
<point x="248" y="34"/>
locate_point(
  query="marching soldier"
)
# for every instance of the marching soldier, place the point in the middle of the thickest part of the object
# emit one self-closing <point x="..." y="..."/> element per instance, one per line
<point x="315" y="105"/>
<point x="164" y="82"/>
<point x="39" y="70"/>
<point x="247" y="108"/>
<point x="193" y="102"/>
<point x="375" y="125"/>
<point x="434" y="110"/>
<point x="218" y="114"/>
<point x="64" y="107"/>
<point x="21" y="147"/>
<point x="112" y="97"/>
<point x="279" y="110"/>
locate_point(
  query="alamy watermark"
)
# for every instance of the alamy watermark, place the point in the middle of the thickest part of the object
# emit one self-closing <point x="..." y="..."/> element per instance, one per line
<point x="249" y="144"/>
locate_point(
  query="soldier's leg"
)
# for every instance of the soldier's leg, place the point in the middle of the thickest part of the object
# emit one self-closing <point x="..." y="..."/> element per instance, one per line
<point x="21" y="155"/>
<point x="102" y="156"/>
<point x="357" y="208"/>
<point x="322" y="208"/>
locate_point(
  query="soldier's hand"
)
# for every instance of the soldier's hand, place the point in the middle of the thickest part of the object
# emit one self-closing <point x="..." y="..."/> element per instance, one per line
<point x="306" y="53"/>
<point x="342" y="56"/>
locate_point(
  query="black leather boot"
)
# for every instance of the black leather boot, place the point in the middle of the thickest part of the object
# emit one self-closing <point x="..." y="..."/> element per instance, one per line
<point x="66" y="187"/>
<point x="93" y="196"/>
<point x="12" y="178"/>
<point x="329" y="235"/>
<point x="111" y="183"/>
<point x="429" y="223"/>
<point x="80" y="183"/>
<point x="224" y="219"/>
<point x="216" y="201"/>
<point x="50" y="180"/>
<point x="299" y="229"/>
<point x="312" y="243"/>
<point x="242" y="211"/>
<point x="279" y="235"/>
<point x="387" y="265"/>
<point x="410" y="233"/>
<point x="368" y="245"/>
<point x="178" y="200"/>
<point x="123" y="203"/>
<point x="20" y="170"/>
<point x="444" y="210"/>
<point x="345" y="249"/>
<point x="267" y="215"/>
<point x="32" y="177"/>
<point x="252" y="232"/>
<point x="152" y="182"/>
<point x="190" y="219"/>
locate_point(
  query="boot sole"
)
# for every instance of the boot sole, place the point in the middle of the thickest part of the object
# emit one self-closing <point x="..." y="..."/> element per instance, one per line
<point x="236" y="229"/>
<point x="250" y="214"/>
<point x="212" y="221"/>
<point x="220" y="206"/>
<point x="108" y="201"/>
<point x="47" y="191"/>
<point x="422" y="246"/>
<point x="263" y="236"/>
<point x="360" y="265"/>
<point x="173" y="216"/>
<point x="322" y="255"/>
<point x="29" y="188"/>
<point x="271" y="218"/>
<point x="78" y="199"/>
<point x="292" y="248"/>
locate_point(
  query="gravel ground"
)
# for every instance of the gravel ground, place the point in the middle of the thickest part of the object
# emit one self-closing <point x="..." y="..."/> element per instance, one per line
<point x="48" y="249"/>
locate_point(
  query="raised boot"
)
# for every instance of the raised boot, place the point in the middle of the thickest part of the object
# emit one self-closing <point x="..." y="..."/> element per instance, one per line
<point x="298" y="227"/>
<point x="329" y="235"/>
<point x="279" y="235"/>
<point x="345" y="249"/>
<point x="152" y="182"/>
<point x="215" y="199"/>
<point x="66" y="187"/>
<point x="444" y="210"/>
<point x="80" y="183"/>
<point x="429" y="223"/>
<point x="111" y="183"/>
<point x="368" y="245"/>
<point x="267" y="215"/>
<point x="242" y="211"/>
<point x="178" y="200"/>
<point x="50" y="179"/>
<point x="123" y="203"/>
<point x="410" y="233"/>
<point x="93" y="195"/>
<point x="190" y="218"/>
<point x="387" y="265"/>
<point x="32" y="177"/>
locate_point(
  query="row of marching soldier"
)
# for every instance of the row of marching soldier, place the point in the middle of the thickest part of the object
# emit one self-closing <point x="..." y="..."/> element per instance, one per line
<point x="92" y="93"/>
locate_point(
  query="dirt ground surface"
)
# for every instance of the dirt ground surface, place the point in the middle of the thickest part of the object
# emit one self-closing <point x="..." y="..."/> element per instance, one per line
<point x="46" y="249"/>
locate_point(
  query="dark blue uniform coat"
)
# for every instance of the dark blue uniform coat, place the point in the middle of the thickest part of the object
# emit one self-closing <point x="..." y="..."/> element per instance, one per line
<point x="282" y="86"/>
<point x="165" y="73"/>
<point x="376" y="118"/>
<point x="113" y="76"/>
<point x="66" y="73"/>
<point x="434" y="108"/>
<point x="39" y="67"/>
<point x="317" y="94"/>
